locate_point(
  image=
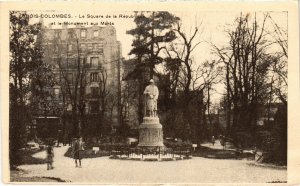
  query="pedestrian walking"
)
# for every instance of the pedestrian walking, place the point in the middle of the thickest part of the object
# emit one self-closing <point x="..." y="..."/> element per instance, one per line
<point x="213" y="140"/>
<point x="64" y="140"/>
<point x="58" y="138"/>
<point x="50" y="155"/>
<point x="223" y="142"/>
<point x="69" y="139"/>
<point x="77" y="150"/>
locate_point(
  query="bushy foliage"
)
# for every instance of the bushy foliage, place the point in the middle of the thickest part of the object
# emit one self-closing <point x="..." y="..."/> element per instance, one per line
<point x="29" y="79"/>
<point x="170" y="144"/>
<point x="273" y="141"/>
<point x="244" y="140"/>
<point x="108" y="146"/>
<point x="24" y="57"/>
<point x="87" y="153"/>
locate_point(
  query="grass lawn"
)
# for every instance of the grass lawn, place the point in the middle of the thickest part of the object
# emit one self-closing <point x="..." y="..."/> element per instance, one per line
<point x="26" y="157"/>
<point x="218" y="153"/>
<point x="19" y="176"/>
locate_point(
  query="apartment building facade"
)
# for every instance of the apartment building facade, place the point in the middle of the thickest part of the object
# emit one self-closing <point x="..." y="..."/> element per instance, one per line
<point x="86" y="63"/>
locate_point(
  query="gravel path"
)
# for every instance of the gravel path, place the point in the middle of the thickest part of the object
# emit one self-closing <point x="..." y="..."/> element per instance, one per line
<point x="195" y="170"/>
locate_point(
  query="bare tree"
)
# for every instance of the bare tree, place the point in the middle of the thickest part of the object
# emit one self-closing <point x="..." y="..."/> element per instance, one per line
<point x="279" y="66"/>
<point x="247" y="63"/>
<point x="107" y="100"/>
<point x="129" y="105"/>
<point x="73" y="72"/>
<point x="190" y="79"/>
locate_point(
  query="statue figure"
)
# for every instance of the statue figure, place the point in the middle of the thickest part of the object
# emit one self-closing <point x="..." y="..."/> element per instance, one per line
<point x="151" y="96"/>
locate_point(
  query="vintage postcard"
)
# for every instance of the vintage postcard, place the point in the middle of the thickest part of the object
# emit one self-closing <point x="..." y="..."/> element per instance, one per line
<point x="140" y="93"/>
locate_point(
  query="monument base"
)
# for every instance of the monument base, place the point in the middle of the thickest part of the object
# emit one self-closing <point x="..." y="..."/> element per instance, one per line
<point x="150" y="133"/>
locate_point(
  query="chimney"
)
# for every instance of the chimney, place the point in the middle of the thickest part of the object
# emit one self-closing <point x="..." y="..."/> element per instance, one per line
<point x="64" y="26"/>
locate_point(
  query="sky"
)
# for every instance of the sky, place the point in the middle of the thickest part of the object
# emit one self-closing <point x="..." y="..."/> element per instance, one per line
<point x="211" y="23"/>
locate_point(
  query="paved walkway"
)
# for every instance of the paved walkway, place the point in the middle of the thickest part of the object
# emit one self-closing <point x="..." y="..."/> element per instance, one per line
<point x="195" y="170"/>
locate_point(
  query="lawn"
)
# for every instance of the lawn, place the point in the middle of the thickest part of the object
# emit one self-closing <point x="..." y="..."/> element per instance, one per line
<point x="219" y="153"/>
<point x="19" y="176"/>
<point x="26" y="157"/>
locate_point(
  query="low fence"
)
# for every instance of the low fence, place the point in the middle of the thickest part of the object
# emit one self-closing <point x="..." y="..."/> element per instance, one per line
<point x="155" y="152"/>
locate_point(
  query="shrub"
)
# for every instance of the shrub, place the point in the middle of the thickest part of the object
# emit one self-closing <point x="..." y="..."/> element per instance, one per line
<point x="273" y="141"/>
<point x="244" y="139"/>
<point x="26" y="157"/>
<point x="87" y="153"/>
<point x="170" y="144"/>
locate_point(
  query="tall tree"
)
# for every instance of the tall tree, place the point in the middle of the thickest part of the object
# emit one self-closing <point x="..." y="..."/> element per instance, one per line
<point x="153" y="30"/>
<point x="42" y="100"/>
<point x="280" y="63"/>
<point x="107" y="100"/>
<point x="73" y="72"/>
<point x="190" y="77"/>
<point x="25" y="79"/>
<point x="247" y="63"/>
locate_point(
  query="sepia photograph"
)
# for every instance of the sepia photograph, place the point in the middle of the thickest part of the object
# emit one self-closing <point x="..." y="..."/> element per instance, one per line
<point x="145" y="96"/>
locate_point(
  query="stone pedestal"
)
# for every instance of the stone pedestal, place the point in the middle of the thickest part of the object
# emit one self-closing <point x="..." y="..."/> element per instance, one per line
<point x="150" y="133"/>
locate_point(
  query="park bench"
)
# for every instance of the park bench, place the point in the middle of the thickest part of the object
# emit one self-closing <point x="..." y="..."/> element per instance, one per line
<point x="125" y="151"/>
<point x="187" y="151"/>
<point x="239" y="152"/>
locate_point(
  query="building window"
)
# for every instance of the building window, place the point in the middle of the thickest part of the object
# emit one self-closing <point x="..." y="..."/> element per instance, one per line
<point x="96" y="33"/>
<point x="70" y="47"/>
<point x="94" y="91"/>
<point x="83" y="33"/>
<point x="95" y="46"/>
<point x="68" y="63"/>
<point x="94" y="61"/>
<point x="71" y="34"/>
<point x="72" y="63"/>
<point x="81" y="61"/>
<point x="94" y="106"/>
<point x="94" y="77"/>
<point x="100" y="45"/>
<point x="57" y="34"/>
<point x="82" y="46"/>
<point x="70" y="78"/>
<point x="100" y="59"/>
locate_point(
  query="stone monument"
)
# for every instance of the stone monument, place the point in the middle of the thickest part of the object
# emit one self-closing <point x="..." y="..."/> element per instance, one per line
<point x="150" y="131"/>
